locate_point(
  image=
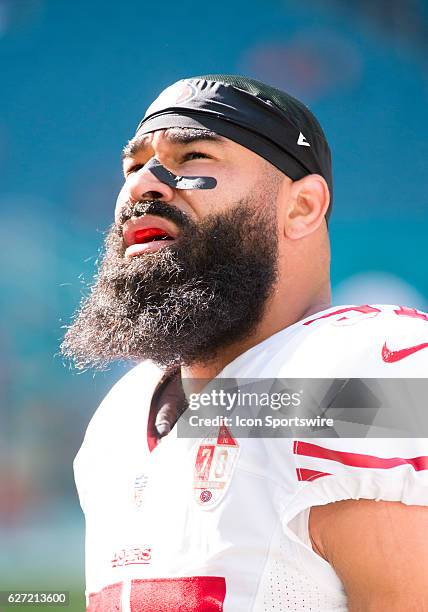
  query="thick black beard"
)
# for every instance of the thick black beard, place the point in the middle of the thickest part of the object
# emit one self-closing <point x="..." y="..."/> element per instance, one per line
<point x="181" y="304"/>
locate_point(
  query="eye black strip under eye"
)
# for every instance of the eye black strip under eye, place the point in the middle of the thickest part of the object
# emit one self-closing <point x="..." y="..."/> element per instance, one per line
<point x="179" y="182"/>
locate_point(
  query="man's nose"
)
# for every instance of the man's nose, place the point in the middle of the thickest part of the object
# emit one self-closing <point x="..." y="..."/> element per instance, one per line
<point x="143" y="185"/>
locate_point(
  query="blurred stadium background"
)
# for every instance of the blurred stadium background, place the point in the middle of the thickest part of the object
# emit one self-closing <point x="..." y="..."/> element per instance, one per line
<point x="76" y="78"/>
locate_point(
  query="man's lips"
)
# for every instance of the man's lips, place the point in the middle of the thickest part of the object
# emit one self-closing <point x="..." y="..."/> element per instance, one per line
<point x="147" y="234"/>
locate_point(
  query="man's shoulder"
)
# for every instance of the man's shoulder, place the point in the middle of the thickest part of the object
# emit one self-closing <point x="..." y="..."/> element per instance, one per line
<point x="366" y="326"/>
<point x="379" y="315"/>
<point x="352" y="341"/>
<point x="139" y="376"/>
<point x="129" y="397"/>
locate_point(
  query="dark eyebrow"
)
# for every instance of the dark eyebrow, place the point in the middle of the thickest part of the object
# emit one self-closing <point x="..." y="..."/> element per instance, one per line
<point x="174" y="136"/>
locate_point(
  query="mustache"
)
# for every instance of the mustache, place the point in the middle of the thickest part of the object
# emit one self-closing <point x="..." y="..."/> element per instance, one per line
<point x="153" y="207"/>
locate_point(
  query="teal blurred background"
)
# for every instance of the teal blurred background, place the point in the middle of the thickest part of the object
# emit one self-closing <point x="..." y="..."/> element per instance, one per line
<point x="76" y="78"/>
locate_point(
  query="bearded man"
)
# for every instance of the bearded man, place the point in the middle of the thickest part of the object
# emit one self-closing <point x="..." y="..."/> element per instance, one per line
<point x="217" y="267"/>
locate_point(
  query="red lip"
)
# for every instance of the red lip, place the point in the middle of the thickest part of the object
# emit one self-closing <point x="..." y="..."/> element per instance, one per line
<point x="149" y="233"/>
<point x="140" y="230"/>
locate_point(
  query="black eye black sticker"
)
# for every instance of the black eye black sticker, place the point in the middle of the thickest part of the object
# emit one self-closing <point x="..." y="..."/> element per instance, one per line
<point x="179" y="182"/>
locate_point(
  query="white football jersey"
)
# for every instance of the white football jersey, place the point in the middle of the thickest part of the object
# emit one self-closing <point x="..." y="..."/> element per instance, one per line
<point x="221" y="524"/>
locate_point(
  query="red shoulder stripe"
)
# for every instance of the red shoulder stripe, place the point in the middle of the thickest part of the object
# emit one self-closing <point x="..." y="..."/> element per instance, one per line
<point x="358" y="460"/>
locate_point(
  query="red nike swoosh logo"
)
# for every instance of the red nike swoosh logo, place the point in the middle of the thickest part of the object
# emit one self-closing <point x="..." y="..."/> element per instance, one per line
<point x="393" y="356"/>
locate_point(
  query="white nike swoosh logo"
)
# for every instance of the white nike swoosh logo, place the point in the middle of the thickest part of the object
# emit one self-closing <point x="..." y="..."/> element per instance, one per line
<point x="302" y="141"/>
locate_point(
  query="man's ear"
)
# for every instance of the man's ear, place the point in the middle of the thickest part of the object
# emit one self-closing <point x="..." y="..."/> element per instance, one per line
<point x="307" y="205"/>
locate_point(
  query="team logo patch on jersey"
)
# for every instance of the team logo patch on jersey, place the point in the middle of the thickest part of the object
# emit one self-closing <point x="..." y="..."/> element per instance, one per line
<point x="214" y="465"/>
<point x="140" y="484"/>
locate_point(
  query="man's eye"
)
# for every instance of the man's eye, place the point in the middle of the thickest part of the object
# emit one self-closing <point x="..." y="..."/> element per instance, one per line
<point x="134" y="168"/>
<point x="195" y="155"/>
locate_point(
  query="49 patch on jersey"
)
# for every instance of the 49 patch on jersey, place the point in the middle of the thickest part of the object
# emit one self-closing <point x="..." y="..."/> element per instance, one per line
<point x="214" y="466"/>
